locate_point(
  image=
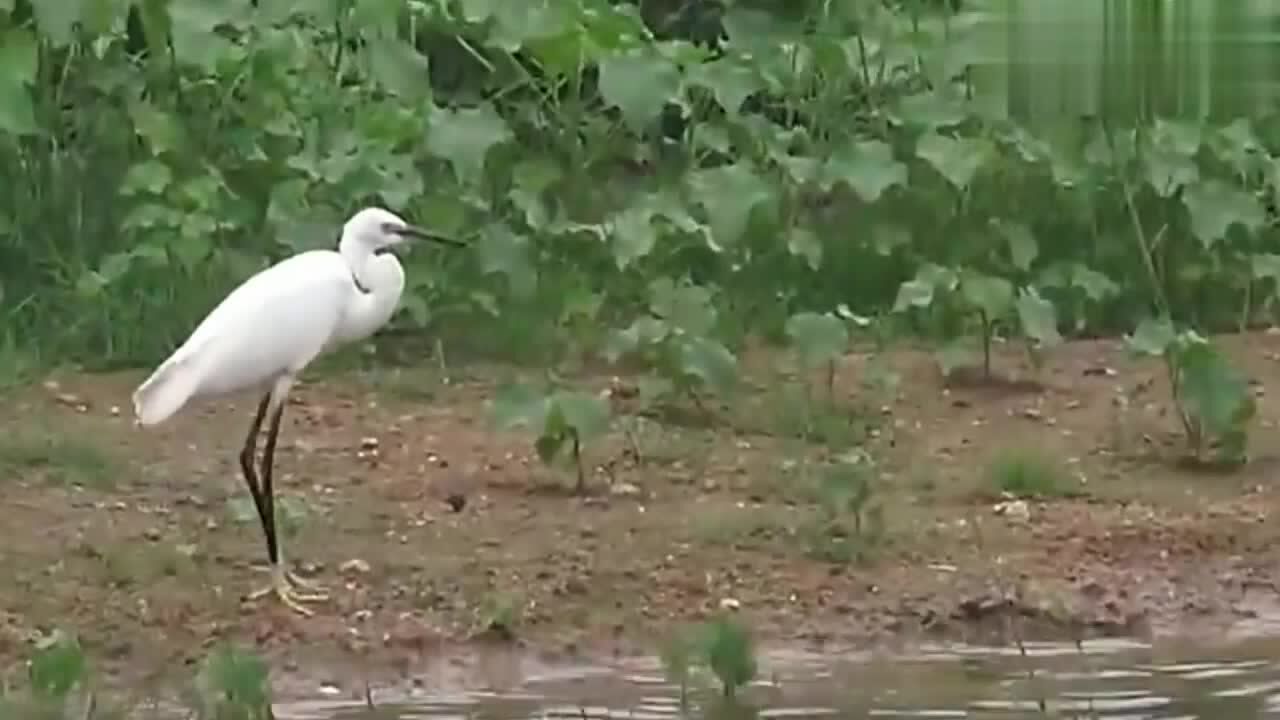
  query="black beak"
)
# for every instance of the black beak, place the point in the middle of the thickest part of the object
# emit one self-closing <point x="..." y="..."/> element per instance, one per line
<point x="411" y="231"/>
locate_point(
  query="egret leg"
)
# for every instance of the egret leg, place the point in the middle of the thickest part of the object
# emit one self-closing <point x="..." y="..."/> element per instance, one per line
<point x="284" y="584"/>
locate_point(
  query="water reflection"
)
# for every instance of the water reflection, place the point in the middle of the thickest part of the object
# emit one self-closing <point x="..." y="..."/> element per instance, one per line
<point x="1038" y="60"/>
<point x="1106" y="679"/>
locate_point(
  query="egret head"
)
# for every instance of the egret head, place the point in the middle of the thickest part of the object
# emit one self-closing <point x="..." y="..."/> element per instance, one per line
<point x="381" y="230"/>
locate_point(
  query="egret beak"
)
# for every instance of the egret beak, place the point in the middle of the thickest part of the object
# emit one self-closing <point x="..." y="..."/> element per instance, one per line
<point x="411" y="231"/>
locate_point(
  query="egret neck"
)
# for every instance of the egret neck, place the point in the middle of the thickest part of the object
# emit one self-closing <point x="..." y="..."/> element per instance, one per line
<point x="357" y="253"/>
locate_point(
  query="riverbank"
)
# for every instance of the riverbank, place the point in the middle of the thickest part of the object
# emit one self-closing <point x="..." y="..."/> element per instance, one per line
<point x="439" y="535"/>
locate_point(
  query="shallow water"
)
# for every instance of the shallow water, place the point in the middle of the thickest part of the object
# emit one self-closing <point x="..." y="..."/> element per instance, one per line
<point x="1105" y="679"/>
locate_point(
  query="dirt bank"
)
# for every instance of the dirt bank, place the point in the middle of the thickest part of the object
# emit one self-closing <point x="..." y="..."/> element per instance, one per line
<point x="131" y="537"/>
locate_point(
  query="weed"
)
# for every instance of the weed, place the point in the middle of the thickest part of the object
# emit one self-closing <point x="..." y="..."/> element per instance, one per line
<point x="500" y="616"/>
<point x="58" y="457"/>
<point x="1029" y="474"/>
<point x="723" y="645"/>
<point x="233" y="684"/>
<point x="849" y="523"/>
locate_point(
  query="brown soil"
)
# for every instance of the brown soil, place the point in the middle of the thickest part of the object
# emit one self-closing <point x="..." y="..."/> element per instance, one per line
<point x="126" y="536"/>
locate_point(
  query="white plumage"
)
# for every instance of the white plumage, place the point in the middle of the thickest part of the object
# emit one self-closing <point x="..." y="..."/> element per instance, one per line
<point x="267" y="330"/>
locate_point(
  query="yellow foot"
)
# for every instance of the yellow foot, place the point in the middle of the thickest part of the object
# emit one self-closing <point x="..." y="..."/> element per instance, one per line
<point x="284" y="585"/>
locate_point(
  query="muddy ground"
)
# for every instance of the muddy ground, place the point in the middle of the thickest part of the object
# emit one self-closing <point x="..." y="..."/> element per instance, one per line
<point x="143" y="542"/>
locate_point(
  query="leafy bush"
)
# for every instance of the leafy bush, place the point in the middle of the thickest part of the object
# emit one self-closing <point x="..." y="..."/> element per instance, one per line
<point x="659" y="180"/>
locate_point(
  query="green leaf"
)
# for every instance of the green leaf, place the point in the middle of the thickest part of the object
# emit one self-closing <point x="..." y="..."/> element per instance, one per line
<point x="804" y="242"/>
<point x="1096" y="286"/>
<point x="192" y="31"/>
<point x="1039" y="318"/>
<point x="520" y="404"/>
<point x="18" y="58"/>
<point x="17" y="112"/>
<point x="887" y="238"/>
<point x="729" y="194"/>
<point x="818" y="338"/>
<point x="930" y="110"/>
<point x="464" y="138"/>
<point x="639" y="83"/>
<point x="1168" y="172"/>
<point x="1215" y="206"/>
<point x="684" y="306"/>
<point x="919" y="292"/>
<point x="586" y="413"/>
<point x="502" y="251"/>
<point x="477" y="11"/>
<point x="730" y="653"/>
<point x="710" y="362"/>
<point x="1266" y="266"/>
<point x="1023" y="248"/>
<point x="234" y="683"/>
<point x="992" y="295"/>
<point x="147" y="177"/>
<point x="956" y="160"/>
<point x="57" y="666"/>
<point x="728" y="79"/>
<point x="913" y="294"/>
<point x="56" y="20"/>
<point x="1214" y="391"/>
<point x="633" y="235"/>
<point x="868" y="167"/>
<point x="1153" y="336"/>
<point x="400" y="68"/>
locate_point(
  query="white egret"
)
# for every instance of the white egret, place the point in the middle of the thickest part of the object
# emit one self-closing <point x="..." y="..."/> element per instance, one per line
<point x="266" y="331"/>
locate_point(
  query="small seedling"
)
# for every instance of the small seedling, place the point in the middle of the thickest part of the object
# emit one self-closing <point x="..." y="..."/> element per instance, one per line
<point x="1027" y="474"/>
<point x="558" y="417"/>
<point x="233" y="684"/>
<point x="62" y="457"/>
<point x="850" y="522"/>
<point x="1211" y="396"/>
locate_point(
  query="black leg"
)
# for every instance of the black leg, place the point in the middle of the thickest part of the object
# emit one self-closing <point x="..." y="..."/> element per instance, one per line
<point x="268" y="499"/>
<point x="247" y="458"/>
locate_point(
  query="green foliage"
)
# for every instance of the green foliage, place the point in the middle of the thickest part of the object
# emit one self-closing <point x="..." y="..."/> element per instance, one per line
<point x="58" y="666"/>
<point x="1212" y="397"/>
<point x="1029" y="474"/>
<point x="651" y="188"/>
<point x="557" y="418"/>
<point x="233" y="684"/>
<point x="850" y="521"/>
<point x="59" y="456"/>
<point x="723" y="645"/>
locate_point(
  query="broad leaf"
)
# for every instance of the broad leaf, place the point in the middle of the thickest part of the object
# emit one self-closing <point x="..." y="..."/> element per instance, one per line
<point x="992" y="295"/>
<point x="1038" y="317"/>
<point x="519" y="404"/>
<point x="868" y="167"/>
<point x="804" y="242"/>
<point x="957" y="160"/>
<point x="1214" y="392"/>
<point x="1153" y="336"/>
<point x="1023" y="248"/>
<point x="400" y="68"/>
<point x="729" y="194"/>
<point x="818" y="338"/>
<point x="639" y="83"/>
<point x="728" y="79"/>
<point x="633" y="235"/>
<point x="464" y="138"/>
<point x="587" y="414"/>
<point x="710" y="362"/>
<point x="1215" y="206"/>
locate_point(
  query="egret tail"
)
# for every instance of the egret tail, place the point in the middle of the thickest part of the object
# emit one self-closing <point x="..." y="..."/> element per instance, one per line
<point x="165" y="392"/>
